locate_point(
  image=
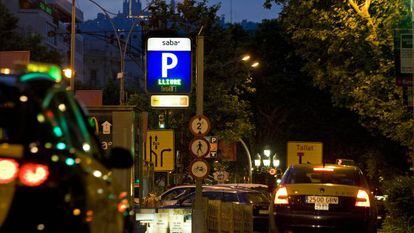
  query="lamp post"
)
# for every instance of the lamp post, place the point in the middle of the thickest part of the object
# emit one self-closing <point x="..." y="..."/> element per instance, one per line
<point x="122" y="49"/>
<point x="267" y="160"/>
<point x="72" y="46"/>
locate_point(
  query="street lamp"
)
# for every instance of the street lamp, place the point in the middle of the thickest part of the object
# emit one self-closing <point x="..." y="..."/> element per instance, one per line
<point x="276" y="162"/>
<point x="266" y="152"/>
<point x="266" y="162"/>
<point x="245" y="58"/>
<point x="255" y="64"/>
<point x="267" y="159"/>
<point x="68" y="73"/>
<point x="257" y="161"/>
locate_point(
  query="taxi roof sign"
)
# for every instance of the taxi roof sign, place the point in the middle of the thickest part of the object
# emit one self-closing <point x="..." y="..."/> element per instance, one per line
<point x="34" y="71"/>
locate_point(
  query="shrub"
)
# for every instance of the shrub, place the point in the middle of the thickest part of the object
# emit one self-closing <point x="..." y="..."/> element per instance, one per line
<point x="399" y="205"/>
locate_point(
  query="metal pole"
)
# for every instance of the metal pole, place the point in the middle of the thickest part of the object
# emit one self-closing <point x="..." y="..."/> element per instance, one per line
<point x="72" y="46"/>
<point x="198" y="215"/>
<point x="249" y="157"/>
<point x="412" y="77"/>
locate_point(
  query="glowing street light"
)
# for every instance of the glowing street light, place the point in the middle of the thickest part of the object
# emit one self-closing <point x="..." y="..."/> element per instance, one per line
<point x="257" y="161"/>
<point x="246" y="58"/>
<point x="255" y="64"/>
<point x="68" y="73"/>
<point x="266" y="152"/>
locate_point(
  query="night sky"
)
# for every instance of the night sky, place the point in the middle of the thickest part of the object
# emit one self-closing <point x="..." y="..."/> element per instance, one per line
<point x="252" y="10"/>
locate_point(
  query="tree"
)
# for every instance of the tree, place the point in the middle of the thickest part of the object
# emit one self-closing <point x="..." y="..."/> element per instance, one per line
<point x="10" y="40"/>
<point x="288" y="107"/>
<point x="347" y="47"/>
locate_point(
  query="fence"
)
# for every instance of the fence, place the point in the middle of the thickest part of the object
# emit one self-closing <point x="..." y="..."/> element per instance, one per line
<point x="225" y="217"/>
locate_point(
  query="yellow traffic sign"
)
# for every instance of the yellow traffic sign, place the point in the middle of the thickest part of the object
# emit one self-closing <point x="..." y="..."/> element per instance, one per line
<point x="159" y="149"/>
<point x="304" y="152"/>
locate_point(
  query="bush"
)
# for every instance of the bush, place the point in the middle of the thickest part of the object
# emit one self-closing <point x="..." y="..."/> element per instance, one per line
<point x="399" y="205"/>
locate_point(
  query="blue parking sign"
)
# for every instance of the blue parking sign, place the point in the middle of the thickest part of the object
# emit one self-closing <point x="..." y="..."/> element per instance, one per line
<point x="168" y="65"/>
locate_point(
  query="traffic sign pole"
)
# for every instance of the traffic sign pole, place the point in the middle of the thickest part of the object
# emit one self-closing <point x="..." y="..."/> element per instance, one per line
<point x="198" y="225"/>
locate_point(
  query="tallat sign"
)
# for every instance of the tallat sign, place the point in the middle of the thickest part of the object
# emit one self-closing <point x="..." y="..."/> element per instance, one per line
<point x="168" y="65"/>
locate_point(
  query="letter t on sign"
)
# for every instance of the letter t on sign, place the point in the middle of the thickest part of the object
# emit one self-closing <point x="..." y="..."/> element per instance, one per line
<point x="300" y="155"/>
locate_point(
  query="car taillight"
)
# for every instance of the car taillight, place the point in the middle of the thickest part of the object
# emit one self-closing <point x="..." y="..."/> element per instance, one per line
<point x="362" y="199"/>
<point x="8" y="170"/>
<point x="33" y="174"/>
<point x="281" y="197"/>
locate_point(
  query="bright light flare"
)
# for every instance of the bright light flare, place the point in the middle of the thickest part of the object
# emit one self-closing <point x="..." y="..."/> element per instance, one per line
<point x="255" y="64"/>
<point x="33" y="174"/>
<point x="8" y="170"/>
<point x="281" y="197"/>
<point x="246" y="58"/>
<point x="68" y="73"/>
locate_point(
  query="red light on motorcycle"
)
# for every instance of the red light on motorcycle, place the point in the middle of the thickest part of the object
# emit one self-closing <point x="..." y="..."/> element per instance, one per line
<point x="281" y="197"/>
<point x="8" y="170"/>
<point x="362" y="199"/>
<point x="33" y="174"/>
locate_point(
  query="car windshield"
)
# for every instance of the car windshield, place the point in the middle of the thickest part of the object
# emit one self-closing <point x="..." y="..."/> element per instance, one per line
<point x="176" y="193"/>
<point x="332" y="176"/>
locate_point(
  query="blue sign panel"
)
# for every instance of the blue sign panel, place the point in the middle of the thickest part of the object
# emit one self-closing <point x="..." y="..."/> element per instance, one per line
<point x="168" y="66"/>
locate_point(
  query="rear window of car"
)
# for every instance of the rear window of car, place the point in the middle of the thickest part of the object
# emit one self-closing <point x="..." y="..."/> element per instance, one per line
<point x="335" y="176"/>
<point x="255" y="198"/>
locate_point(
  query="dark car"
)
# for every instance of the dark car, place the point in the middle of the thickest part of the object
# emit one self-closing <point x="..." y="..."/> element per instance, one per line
<point x="258" y="200"/>
<point x="54" y="177"/>
<point x="334" y="198"/>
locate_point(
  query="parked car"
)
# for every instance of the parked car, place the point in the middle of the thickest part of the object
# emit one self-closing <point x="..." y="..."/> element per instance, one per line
<point x="335" y="198"/>
<point x="258" y="200"/>
<point x="54" y="176"/>
<point x="257" y="187"/>
<point x="172" y="195"/>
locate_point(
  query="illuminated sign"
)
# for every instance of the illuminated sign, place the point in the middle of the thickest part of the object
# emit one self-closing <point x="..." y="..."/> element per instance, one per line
<point x="170" y="101"/>
<point x="168" y="65"/>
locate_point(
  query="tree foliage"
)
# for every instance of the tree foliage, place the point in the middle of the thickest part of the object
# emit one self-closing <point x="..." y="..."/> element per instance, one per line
<point x="11" y="40"/>
<point x="288" y="107"/>
<point x="347" y="47"/>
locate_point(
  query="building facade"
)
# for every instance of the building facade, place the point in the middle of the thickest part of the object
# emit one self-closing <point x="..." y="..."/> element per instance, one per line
<point x="102" y="53"/>
<point x="49" y="19"/>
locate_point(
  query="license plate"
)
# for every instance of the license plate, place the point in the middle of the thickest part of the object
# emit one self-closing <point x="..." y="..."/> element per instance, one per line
<point x="263" y="211"/>
<point x="319" y="206"/>
<point x="322" y="202"/>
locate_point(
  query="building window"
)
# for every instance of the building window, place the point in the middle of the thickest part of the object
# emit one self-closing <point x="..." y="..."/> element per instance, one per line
<point x="52" y="40"/>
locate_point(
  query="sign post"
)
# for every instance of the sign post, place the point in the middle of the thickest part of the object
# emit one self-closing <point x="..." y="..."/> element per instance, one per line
<point x="198" y="223"/>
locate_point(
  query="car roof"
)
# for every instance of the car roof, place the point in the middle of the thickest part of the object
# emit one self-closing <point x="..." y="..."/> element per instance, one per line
<point x="333" y="166"/>
<point x="243" y="185"/>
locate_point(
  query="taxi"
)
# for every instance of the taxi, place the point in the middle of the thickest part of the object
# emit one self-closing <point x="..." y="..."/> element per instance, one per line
<point x="54" y="177"/>
<point x="324" y="198"/>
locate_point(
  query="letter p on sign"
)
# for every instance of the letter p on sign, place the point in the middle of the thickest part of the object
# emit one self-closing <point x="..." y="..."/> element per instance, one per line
<point x="166" y="65"/>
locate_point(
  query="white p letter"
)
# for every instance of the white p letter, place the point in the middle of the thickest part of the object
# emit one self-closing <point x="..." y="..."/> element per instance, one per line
<point x="165" y="66"/>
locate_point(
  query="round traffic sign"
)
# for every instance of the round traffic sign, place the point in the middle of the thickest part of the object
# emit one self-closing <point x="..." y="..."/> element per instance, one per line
<point x="199" y="169"/>
<point x="200" y="125"/>
<point x="199" y="147"/>
<point x="272" y="171"/>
